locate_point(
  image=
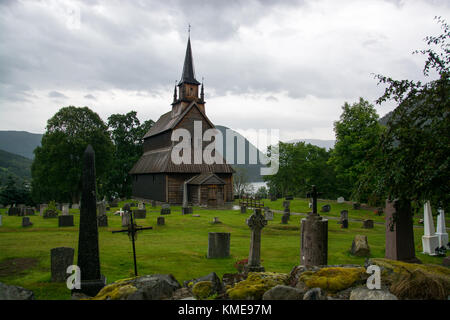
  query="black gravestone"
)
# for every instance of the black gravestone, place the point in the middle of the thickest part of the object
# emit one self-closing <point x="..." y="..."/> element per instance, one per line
<point x="61" y="258"/>
<point x="88" y="252"/>
<point x="65" y="221"/>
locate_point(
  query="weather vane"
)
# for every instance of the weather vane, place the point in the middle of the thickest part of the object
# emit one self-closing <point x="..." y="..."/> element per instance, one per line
<point x="189" y="29"/>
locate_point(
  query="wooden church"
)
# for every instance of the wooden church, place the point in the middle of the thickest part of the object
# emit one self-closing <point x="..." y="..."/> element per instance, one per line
<point x="156" y="177"/>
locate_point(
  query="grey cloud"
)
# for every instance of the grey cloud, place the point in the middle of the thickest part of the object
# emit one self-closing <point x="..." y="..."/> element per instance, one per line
<point x="57" y="95"/>
<point x="90" y="96"/>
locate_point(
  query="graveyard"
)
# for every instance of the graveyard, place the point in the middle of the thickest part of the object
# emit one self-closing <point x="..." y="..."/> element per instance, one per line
<point x="182" y="241"/>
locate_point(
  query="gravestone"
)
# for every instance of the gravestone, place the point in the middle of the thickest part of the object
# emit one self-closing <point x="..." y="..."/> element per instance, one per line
<point x="165" y="209"/>
<point x="101" y="208"/>
<point x="125" y="219"/>
<point x="284" y="218"/>
<point x="29" y="211"/>
<point x="344" y="215"/>
<point x="65" y="209"/>
<point x="160" y="221"/>
<point x="13" y="211"/>
<point x="340" y="200"/>
<point x="139" y="213"/>
<point x="399" y="232"/>
<point x="367" y="224"/>
<point x="65" y="221"/>
<point x="430" y="241"/>
<point x="50" y="213"/>
<point x="88" y="260"/>
<point x="153" y="204"/>
<point x="42" y="207"/>
<point x="326" y="208"/>
<point x="187" y="210"/>
<point x="256" y="223"/>
<point x="21" y="212"/>
<point x="360" y="246"/>
<point x="1" y="221"/>
<point x="356" y="206"/>
<point x="218" y="245"/>
<point x="102" y="221"/>
<point x="141" y="205"/>
<point x="26" y="222"/>
<point x="289" y="198"/>
<point x="441" y="231"/>
<point x="60" y="258"/>
<point x="286" y="204"/>
<point x="76" y="206"/>
<point x="243" y="209"/>
<point x="268" y="214"/>
<point x="314" y="236"/>
<point x="344" y="224"/>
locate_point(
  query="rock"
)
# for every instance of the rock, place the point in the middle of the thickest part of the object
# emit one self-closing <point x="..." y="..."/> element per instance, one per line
<point x="202" y="289"/>
<point x="182" y="294"/>
<point x="315" y="294"/>
<point x="362" y="293"/>
<point x="282" y="292"/>
<point x="256" y="284"/>
<point x="360" y="246"/>
<point x="149" y="287"/>
<point x="333" y="279"/>
<point x="217" y="286"/>
<point x="326" y="208"/>
<point x="10" y="292"/>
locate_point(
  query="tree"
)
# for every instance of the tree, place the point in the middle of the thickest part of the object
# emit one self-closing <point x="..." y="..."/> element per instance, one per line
<point x="15" y="193"/>
<point x="241" y="184"/>
<point x="300" y="166"/>
<point x="262" y="193"/>
<point x="127" y="135"/>
<point x="415" y="148"/>
<point x="56" y="169"/>
<point x="357" y="136"/>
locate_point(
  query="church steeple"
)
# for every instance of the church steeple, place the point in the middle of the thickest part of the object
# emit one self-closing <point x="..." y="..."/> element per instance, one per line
<point x="188" y="86"/>
<point x="188" y="75"/>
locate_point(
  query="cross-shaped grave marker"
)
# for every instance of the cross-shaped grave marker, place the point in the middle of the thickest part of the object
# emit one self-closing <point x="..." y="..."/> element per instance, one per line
<point x="132" y="233"/>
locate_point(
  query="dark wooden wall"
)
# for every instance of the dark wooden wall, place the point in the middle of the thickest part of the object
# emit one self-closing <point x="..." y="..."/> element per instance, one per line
<point x="150" y="186"/>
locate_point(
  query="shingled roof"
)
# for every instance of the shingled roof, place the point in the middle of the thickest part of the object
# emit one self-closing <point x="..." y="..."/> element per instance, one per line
<point x="166" y="122"/>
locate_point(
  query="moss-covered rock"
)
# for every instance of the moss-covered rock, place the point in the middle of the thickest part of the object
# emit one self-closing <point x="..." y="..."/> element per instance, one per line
<point x="256" y="284"/>
<point x="333" y="279"/>
<point x="414" y="281"/>
<point x="202" y="289"/>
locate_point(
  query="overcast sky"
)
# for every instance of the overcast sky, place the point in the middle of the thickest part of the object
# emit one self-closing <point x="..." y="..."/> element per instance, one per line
<point x="287" y="65"/>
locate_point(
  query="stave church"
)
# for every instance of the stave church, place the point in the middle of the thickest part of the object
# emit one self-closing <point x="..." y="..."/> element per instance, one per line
<point x="156" y="177"/>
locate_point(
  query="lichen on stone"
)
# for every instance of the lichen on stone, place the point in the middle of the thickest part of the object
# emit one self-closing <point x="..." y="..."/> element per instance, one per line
<point x="332" y="279"/>
<point x="202" y="289"/>
<point x="256" y="284"/>
<point x="116" y="291"/>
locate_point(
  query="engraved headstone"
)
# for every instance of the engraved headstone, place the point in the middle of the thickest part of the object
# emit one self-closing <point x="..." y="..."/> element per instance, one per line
<point x="165" y="208"/>
<point x="340" y="200"/>
<point x="65" y="221"/>
<point x="125" y="219"/>
<point x="218" y="245"/>
<point x="368" y="224"/>
<point x="65" y="209"/>
<point x="61" y="258"/>
<point x="268" y="214"/>
<point x="139" y="213"/>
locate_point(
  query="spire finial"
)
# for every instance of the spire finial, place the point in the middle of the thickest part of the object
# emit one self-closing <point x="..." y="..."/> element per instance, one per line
<point x="189" y="30"/>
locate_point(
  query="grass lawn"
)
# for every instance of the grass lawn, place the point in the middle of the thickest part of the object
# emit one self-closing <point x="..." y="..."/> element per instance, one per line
<point x="179" y="247"/>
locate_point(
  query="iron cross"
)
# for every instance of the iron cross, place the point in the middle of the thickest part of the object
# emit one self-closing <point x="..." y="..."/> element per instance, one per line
<point x="314" y="194"/>
<point x="132" y="233"/>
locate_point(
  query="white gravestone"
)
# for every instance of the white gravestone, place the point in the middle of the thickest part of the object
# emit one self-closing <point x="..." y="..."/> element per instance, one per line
<point x="268" y="214"/>
<point x="65" y="209"/>
<point x="441" y="232"/>
<point x="430" y="240"/>
<point x="340" y="200"/>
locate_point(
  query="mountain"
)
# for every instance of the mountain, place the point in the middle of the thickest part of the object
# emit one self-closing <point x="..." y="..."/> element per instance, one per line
<point x="14" y="165"/>
<point x="327" y="144"/>
<point x="20" y="142"/>
<point x="252" y="170"/>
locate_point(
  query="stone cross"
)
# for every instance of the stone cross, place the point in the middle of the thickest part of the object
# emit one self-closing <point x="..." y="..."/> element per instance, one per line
<point x="314" y="194"/>
<point x="314" y="236"/>
<point x="256" y="222"/>
<point x="88" y="252"/>
<point x="132" y="233"/>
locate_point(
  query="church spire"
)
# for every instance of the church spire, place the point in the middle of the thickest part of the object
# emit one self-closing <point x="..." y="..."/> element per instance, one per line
<point x="188" y="75"/>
